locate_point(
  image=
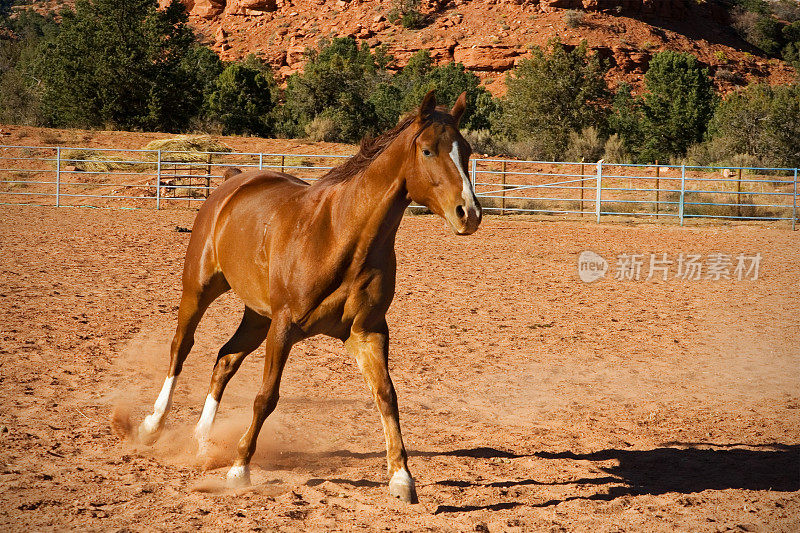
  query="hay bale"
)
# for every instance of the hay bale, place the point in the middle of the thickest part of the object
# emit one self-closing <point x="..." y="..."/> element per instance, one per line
<point x="89" y="160"/>
<point x="187" y="148"/>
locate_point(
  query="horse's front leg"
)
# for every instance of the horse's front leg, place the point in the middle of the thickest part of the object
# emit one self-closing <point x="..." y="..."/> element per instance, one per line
<point x="371" y="350"/>
<point x="279" y="343"/>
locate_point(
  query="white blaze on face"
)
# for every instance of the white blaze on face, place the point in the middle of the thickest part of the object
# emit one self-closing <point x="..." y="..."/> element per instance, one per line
<point x="467" y="193"/>
<point x="152" y="423"/>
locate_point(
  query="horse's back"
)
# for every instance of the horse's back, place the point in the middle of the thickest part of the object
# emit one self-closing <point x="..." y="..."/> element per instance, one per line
<point x="241" y="185"/>
<point x="252" y="179"/>
<point x="250" y="195"/>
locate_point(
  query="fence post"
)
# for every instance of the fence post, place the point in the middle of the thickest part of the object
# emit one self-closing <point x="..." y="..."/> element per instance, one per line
<point x="582" y="185"/>
<point x="683" y="191"/>
<point x="597" y="200"/>
<point x="739" y="195"/>
<point x="794" y="202"/>
<point x="474" y="171"/>
<point x="208" y="176"/>
<point x="58" y="176"/>
<point x="658" y="186"/>
<point x="158" y="181"/>
<point x="283" y="162"/>
<point x="503" y="205"/>
<point x="260" y="161"/>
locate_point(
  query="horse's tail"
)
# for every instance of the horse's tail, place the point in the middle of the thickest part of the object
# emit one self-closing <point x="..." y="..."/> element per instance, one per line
<point x="230" y="172"/>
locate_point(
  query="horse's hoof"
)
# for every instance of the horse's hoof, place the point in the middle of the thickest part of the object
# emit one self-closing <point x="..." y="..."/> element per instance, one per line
<point x="203" y="450"/>
<point x="238" y="477"/>
<point x="145" y="435"/>
<point x="401" y="486"/>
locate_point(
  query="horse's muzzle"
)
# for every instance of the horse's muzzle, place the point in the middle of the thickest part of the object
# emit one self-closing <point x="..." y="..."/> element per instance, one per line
<point x="466" y="218"/>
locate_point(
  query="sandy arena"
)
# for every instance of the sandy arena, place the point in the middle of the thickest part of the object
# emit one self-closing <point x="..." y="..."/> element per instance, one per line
<point x="529" y="400"/>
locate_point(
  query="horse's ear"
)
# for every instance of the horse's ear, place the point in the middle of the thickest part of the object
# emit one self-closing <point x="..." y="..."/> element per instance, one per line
<point x="459" y="107"/>
<point x="428" y="106"/>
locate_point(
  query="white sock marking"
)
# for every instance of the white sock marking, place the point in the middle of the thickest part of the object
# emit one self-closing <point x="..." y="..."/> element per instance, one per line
<point x="152" y="422"/>
<point x="401" y="477"/>
<point x="239" y="475"/>
<point x="402" y="485"/>
<point x="202" y="431"/>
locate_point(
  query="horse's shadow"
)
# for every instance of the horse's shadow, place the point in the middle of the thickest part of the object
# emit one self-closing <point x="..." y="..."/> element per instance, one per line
<point x="689" y="468"/>
<point x="684" y="468"/>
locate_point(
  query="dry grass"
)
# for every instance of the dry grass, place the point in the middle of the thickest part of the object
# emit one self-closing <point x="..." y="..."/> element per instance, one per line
<point x="188" y="149"/>
<point x="89" y="160"/>
<point x="182" y="149"/>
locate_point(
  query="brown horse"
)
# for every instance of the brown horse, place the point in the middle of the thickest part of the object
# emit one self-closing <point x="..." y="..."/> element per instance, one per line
<point x="317" y="259"/>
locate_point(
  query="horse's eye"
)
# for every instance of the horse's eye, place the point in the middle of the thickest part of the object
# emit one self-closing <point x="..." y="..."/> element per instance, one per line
<point x="426" y="153"/>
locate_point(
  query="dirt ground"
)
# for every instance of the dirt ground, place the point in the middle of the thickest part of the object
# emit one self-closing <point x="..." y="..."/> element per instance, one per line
<point x="530" y="400"/>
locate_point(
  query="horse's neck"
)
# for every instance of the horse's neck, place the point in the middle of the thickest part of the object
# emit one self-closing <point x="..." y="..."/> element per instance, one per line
<point x="374" y="202"/>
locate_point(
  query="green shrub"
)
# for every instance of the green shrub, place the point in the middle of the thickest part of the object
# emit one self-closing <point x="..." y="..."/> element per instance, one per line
<point x="673" y="112"/>
<point x="552" y="94"/>
<point x="406" y="13"/>
<point x="710" y="153"/>
<point x="678" y="104"/>
<point x="19" y="101"/>
<point x="788" y="10"/>
<point x="337" y="80"/>
<point x="762" y="122"/>
<point x="350" y="86"/>
<point x="485" y="142"/>
<point x="614" y="150"/>
<point x="242" y="101"/>
<point x="773" y="27"/>
<point x="626" y="119"/>
<point x="531" y="148"/>
<point x="420" y="75"/>
<point x="585" y="146"/>
<point x="573" y="18"/>
<point x="20" y="91"/>
<point x="754" y="6"/>
<point x="119" y="64"/>
<point x="322" y="128"/>
<point x="5" y="8"/>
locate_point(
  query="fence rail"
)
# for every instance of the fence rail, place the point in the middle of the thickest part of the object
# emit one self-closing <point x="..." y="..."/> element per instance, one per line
<point x="110" y="177"/>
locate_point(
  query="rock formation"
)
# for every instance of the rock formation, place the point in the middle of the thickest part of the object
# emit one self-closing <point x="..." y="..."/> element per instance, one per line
<point x="662" y="8"/>
<point x="489" y="37"/>
<point x="209" y="9"/>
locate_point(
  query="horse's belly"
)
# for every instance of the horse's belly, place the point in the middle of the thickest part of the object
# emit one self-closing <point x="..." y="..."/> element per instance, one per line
<point x="325" y="317"/>
<point x="246" y="269"/>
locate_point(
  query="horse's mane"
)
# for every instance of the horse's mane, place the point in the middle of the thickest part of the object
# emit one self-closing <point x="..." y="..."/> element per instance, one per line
<point x="369" y="150"/>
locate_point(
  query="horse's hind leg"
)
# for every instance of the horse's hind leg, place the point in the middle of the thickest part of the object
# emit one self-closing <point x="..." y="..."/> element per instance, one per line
<point x="280" y="339"/>
<point x="249" y="335"/>
<point x="194" y="302"/>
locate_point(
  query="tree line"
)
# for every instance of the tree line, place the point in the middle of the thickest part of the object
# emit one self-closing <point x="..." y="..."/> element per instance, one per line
<point x="129" y="65"/>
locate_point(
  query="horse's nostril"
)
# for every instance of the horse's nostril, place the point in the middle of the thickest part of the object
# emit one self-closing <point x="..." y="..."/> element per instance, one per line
<point x="460" y="211"/>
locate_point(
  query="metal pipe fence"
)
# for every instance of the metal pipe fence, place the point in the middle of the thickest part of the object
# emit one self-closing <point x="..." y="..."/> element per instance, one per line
<point x="669" y="192"/>
<point x="108" y="177"/>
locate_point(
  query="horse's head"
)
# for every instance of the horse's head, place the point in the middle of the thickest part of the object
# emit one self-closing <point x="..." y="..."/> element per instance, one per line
<point x="440" y="155"/>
